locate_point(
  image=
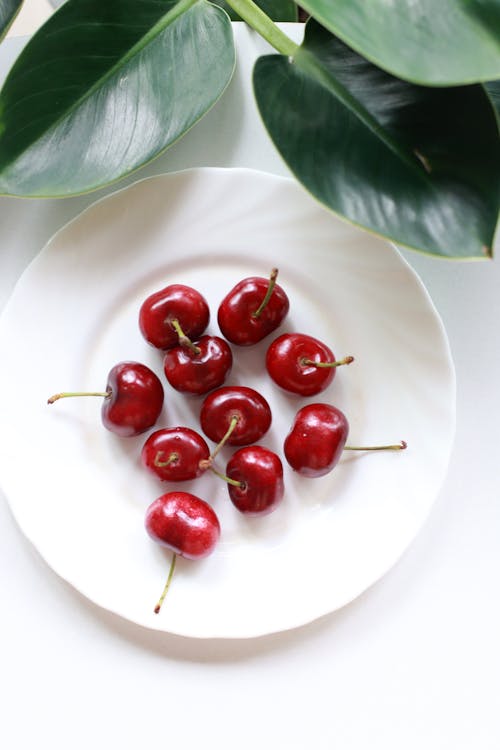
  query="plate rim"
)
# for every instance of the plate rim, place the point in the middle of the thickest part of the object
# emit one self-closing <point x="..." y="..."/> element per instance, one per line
<point x="252" y="632"/>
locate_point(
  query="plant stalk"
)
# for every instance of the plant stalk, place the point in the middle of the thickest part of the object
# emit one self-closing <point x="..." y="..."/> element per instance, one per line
<point x="258" y="20"/>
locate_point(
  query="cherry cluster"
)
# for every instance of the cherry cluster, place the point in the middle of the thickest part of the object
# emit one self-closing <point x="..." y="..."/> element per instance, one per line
<point x="174" y="320"/>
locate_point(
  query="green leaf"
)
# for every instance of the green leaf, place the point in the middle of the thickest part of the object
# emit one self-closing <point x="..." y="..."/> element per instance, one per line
<point x="493" y="89"/>
<point x="434" y="42"/>
<point x="8" y="12"/>
<point x="277" y="10"/>
<point x="417" y="165"/>
<point x="104" y="87"/>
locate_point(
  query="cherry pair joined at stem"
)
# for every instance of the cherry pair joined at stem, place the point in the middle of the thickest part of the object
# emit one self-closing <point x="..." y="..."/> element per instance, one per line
<point x="254" y="474"/>
<point x="174" y="319"/>
<point x="234" y="415"/>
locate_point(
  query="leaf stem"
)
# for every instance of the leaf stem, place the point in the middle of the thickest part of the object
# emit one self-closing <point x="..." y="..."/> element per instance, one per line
<point x="258" y="20"/>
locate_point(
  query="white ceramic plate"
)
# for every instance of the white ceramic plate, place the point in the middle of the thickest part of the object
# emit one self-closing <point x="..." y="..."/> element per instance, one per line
<point x="79" y="492"/>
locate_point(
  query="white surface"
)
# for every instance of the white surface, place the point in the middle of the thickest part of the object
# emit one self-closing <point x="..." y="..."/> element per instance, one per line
<point x="209" y="229"/>
<point x="413" y="663"/>
<point x="31" y="16"/>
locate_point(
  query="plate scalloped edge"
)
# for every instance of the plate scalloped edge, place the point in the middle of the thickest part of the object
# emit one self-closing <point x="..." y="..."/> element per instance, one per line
<point x="292" y="213"/>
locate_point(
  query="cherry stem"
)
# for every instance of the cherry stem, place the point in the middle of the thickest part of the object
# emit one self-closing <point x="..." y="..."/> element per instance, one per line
<point x="227" y="479"/>
<point x="183" y="339"/>
<point x="272" y="282"/>
<point x="399" y="447"/>
<point x="346" y="361"/>
<point x="57" y="396"/>
<point x="207" y="463"/>
<point x="167" y="585"/>
<point x="170" y="460"/>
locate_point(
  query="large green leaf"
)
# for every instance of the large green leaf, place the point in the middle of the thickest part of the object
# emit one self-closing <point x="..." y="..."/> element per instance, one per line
<point x="278" y="10"/>
<point x="8" y="11"/>
<point x="493" y="89"/>
<point x="418" y="165"/>
<point x="104" y="87"/>
<point x="435" y="42"/>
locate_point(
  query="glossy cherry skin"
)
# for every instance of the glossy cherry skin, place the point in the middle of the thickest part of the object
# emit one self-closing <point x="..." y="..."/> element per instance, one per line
<point x="174" y="454"/>
<point x="261" y="473"/>
<point x="235" y="311"/>
<point x="222" y="405"/>
<point x="135" y="401"/>
<point x="316" y="439"/>
<point x="199" y="373"/>
<point x="174" y="302"/>
<point x="183" y="523"/>
<point x="285" y="363"/>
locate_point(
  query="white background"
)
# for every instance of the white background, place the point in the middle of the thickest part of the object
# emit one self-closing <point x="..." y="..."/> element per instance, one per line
<point x="413" y="663"/>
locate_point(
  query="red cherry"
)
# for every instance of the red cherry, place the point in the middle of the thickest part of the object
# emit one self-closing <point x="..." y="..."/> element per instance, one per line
<point x="174" y="454"/>
<point x="317" y="439"/>
<point x="256" y="480"/>
<point x="184" y="523"/>
<point x="302" y="364"/>
<point x="133" y="399"/>
<point x="199" y="368"/>
<point x="176" y="303"/>
<point x="253" y="309"/>
<point x="247" y="407"/>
